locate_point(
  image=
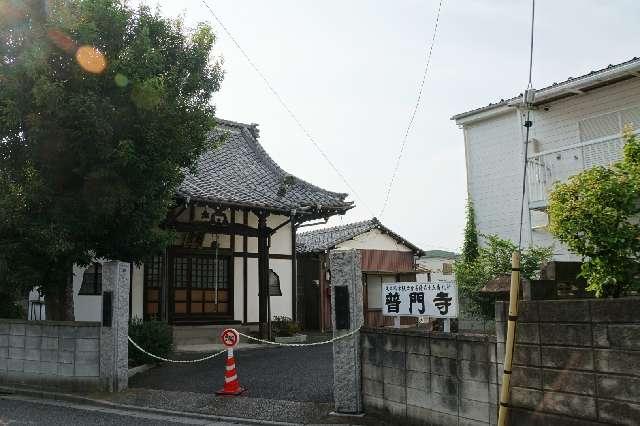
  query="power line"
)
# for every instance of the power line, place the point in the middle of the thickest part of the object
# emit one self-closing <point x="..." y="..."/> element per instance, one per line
<point x="286" y="107"/>
<point x="526" y="97"/>
<point x="413" y="113"/>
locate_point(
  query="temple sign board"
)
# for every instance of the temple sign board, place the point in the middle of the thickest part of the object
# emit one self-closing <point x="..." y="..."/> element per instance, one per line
<point x="437" y="299"/>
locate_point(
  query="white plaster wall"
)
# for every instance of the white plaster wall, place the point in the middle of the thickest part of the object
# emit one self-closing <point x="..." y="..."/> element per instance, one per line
<point x="137" y="291"/>
<point x="252" y="290"/>
<point x="373" y="240"/>
<point x="238" y="287"/>
<point x="85" y="308"/>
<point x="281" y="240"/>
<point x="252" y="243"/>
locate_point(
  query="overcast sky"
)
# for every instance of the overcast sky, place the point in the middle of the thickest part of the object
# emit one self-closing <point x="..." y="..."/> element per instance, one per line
<point x="350" y="71"/>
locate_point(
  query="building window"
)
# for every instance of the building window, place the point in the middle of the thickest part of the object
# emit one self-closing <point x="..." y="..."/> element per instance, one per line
<point x="374" y="291"/>
<point x="447" y="269"/>
<point x="153" y="273"/>
<point x="92" y="280"/>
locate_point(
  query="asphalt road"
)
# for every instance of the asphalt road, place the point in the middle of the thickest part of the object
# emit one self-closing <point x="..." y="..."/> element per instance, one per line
<point x="26" y="411"/>
<point x="293" y="374"/>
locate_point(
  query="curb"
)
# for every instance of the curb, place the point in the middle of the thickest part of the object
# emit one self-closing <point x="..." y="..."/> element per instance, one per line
<point x="58" y="396"/>
<point x="140" y="369"/>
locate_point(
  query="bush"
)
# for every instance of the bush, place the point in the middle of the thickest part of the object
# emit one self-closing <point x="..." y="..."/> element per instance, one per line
<point x="494" y="259"/>
<point x="10" y="309"/>
<point x="284" y="326"/>
<point x="595" y="213"/>
<point x="155" y="337"/>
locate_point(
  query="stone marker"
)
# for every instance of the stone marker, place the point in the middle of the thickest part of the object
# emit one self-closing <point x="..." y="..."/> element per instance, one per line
<point x="346" y="284"/>
<point x="114" y="355"/>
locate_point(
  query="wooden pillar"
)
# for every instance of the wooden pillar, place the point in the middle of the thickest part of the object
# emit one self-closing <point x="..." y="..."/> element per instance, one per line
<point x="323" y="293"/>
<point x="294" y="273"/>
<point x="263" y="276"/>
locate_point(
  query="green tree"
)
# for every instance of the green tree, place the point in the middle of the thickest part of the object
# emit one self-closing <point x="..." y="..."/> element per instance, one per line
<point x="493" y="260"/>
<point x="470" y="244"/>
<point x="595" y="213"/>
<point x="102" y="107"/>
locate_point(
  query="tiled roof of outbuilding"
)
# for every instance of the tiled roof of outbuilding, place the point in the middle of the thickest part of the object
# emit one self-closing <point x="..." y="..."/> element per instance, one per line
<point x="240" y="173"/>
<point x="325" y="239"/>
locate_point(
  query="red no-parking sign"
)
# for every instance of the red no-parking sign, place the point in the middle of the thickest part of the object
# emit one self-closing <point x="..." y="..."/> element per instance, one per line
<point x="230" y="338"/>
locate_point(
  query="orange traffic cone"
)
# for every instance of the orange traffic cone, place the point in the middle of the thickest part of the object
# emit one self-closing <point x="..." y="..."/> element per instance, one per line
<point x="231" y="383"/>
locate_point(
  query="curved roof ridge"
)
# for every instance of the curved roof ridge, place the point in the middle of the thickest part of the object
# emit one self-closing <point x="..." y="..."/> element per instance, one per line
<point x="241" y="173"/>
<point x="252" y="137"/>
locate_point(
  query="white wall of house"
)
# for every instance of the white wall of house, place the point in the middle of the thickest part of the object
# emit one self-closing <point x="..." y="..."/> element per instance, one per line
<point x="436" y="265"/>
<point x="373" y="240"/>
<point x="494" y="154"/>
<point x="494" y="173"/>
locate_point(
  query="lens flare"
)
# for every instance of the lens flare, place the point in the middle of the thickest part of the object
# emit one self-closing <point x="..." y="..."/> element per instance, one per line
<point x="121" y="80"/>
<point x="91" y="59"/>
<point x="62" y="40"/>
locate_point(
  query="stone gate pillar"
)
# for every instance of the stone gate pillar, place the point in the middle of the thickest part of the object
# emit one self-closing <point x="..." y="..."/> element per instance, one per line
<point x="114" y="356"/>
<point x="346" y="315"/>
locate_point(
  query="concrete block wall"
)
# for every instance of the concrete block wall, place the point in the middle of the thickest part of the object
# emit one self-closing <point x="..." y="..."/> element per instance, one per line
<point x="57" y="355"/>
<point x="576" y="362"/>
<point x="430" y="378"/>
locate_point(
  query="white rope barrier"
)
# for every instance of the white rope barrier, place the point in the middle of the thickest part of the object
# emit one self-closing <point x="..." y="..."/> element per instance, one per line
<point x="268" y="342"/>
<point x="180" y="361"/>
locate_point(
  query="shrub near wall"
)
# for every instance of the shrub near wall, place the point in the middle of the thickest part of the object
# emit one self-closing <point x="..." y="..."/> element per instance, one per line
<point x="155" y="337"/>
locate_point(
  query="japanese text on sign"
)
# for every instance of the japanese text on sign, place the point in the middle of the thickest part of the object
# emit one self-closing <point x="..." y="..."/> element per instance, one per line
<point x="436" y="299"/>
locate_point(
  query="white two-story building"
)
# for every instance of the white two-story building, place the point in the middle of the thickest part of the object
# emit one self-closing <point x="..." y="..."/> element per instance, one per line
<point x="577" y="125"/>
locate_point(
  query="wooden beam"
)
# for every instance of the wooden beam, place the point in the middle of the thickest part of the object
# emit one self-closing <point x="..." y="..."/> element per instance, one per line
<point x="212" y="228"/>
<point x="257" y="255"/>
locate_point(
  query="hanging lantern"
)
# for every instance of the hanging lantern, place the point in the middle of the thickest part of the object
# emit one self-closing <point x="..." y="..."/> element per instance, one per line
<point x="274" y="284"/>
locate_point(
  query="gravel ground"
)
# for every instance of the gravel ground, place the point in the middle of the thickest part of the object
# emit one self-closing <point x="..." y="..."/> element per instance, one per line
<point x="310" y="413"/>
<point x="290" y="374"/>
<point x="284" y="384"/>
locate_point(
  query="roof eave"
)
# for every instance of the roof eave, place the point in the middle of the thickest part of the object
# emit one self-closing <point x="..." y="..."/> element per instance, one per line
<point x="573" y="87"/>
<point x="314" y="214"/>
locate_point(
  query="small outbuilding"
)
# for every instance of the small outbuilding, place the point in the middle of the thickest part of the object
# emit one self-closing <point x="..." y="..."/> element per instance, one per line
<point x="386" y="257"/>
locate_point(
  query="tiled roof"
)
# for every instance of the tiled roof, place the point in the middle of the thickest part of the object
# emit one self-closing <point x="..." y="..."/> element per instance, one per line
<point x="240" y="173"/>
<point x="325" y="239"/>
<point x="590" y="75"/>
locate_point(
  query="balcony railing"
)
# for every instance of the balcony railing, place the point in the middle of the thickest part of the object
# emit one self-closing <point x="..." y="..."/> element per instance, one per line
<point x="548" y="167"/>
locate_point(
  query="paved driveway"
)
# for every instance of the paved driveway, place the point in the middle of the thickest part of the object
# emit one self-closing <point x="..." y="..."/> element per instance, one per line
<point x="293" y="374"/>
